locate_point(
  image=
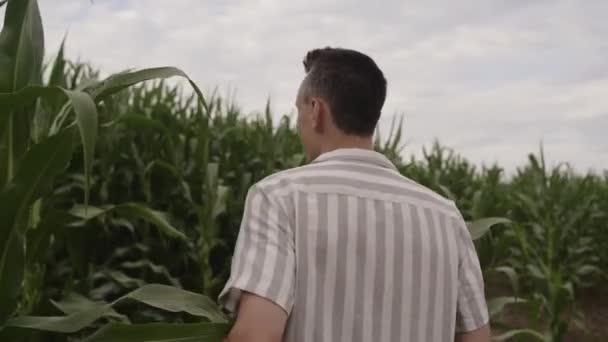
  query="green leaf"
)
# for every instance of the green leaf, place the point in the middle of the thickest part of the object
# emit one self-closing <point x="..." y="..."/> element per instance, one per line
<point x="154" y="217"/>
<point x="157" y="332"/>
<point x="177" y="300"/>
<point x="120" y="81"/>
<point x="21" y="54"/>
<point x="74" y="303"/>
<point x="21" y="46"/>
<point x="138" y="121"/>
<point x="480" y="227"/>
<point x="163" y="165"/>
<point x="49" y="110"/>
<point x="34" y="179"/>
<point x="512" y="275"/>
<point x="86" y="118"/>
<point x="219" y="206"/>
<point x="496" y="305"/>
<point x="124" y="280"/>
<point x="13" y="100"/>
<point x="160" y="296"/>
<point x="568" y="288"/>
<point x="38" y="239"/>
<point x="520" y="332"/>
<point x="586" y="270"/>
<point x="156" y="269"/>
<point x="211" y="176"/>
<point x="13" y="270"/>
<point x="64" y="324"/>
<point x="57" y="77"/>
<point x="529" y="204"/>
<point x="535" y="271"/>
<point x="84" y="108"/>
<point x="90" y="212"/>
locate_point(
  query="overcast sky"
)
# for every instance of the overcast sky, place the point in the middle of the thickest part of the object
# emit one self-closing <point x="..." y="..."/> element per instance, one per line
<point x="490" y="78"/>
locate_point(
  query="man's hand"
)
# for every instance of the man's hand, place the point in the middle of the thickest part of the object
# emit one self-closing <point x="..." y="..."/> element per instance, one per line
<point x="258" y="320"/>
<point x="482" y="334"/>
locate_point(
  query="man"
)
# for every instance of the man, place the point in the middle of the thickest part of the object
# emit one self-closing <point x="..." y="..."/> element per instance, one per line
<point x="345" y="248"/>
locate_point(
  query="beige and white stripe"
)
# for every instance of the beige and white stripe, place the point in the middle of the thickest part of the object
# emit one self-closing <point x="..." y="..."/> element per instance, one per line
<point x="353" y="251"/>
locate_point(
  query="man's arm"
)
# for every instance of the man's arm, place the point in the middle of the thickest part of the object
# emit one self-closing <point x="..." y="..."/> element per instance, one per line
<point x="260" y="290"/>
<point x="472" y="316"/>
<point x="482" y="334"/>
<point x="258" y="320"/>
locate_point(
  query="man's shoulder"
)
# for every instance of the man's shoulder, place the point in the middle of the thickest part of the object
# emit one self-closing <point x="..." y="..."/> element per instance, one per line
<point x="286" y="181"/>
<point x="282" y="180"/>
<point x="429" y="198"/>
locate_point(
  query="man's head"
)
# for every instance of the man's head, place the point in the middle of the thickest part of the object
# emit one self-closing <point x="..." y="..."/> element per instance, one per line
<point x="339" y="101"/>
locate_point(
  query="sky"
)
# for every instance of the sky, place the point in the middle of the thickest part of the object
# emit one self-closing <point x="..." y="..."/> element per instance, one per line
<point x="492" y="79"/>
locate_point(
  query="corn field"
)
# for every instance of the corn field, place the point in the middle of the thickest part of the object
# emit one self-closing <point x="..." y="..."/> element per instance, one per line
<point x="121" y="203"/>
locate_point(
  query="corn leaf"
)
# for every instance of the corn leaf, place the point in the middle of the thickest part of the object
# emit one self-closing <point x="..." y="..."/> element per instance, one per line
<point x="21" y="54"/>
<point x="120" y="81"/>
<point x="49" y="109"/>
<point x="63" y="324"/>
<point x="86" y="118"/>
<point x="496" y="305"/>
<point x="480" y="227"/>
<point x="587" y="270"/>
<point x="520" y="332"/>
<point x="38" y="239"/>
<point x="137" y="121"/>
<point x="36" y="173"/>
<point x="512" y="275"/>
<point x="160" y="296"/>
<point x="12" y="266"/>
<point x="84" y="108"/>
<point x="74" y="303"/>
<point x="57" y="77"/>
<point x="156" y="332"/>
<point x="140" y="211"/>
<point x="21" y="46"/>
<point x="172" y="299"/>
<point x="124" y="280"/>
<point x="156" y="269"/>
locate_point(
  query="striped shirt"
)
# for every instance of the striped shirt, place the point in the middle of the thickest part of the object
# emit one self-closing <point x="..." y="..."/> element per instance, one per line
<point x="354" y="251"/>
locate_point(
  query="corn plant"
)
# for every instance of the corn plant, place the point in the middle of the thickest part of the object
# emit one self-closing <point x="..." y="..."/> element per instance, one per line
<point x="558" y="214"/>
<point x="37" y="145"/>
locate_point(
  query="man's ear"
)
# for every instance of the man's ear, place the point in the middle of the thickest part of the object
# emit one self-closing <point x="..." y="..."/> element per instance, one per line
<point x="319" y="113"/>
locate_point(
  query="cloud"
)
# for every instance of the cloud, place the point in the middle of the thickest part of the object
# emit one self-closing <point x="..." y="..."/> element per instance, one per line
<point x="490" y="78"/>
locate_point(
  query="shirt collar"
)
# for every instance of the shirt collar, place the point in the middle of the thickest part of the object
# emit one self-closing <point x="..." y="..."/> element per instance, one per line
<point x="356" y="155"/>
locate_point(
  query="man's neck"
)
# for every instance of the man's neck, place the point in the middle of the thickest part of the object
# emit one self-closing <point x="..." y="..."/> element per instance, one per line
<point x="364" y="143"/>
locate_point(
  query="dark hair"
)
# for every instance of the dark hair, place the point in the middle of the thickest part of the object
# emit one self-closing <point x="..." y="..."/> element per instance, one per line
<point x="351" y="83"/>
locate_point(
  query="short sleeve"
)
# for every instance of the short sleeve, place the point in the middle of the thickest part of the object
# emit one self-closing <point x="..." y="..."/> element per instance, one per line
<point x="472" y="310"/>
<point x="264" y="258"/>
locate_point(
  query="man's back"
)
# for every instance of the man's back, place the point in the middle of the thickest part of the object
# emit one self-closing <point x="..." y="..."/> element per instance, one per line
<point x="353" y="251"/>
